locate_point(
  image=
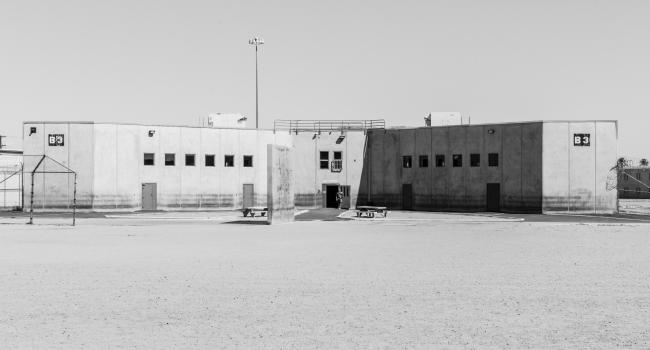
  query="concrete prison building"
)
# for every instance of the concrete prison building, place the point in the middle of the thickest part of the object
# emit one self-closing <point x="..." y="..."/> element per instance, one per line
<point x="515" y="167"/>
<point x="133" y="167"/>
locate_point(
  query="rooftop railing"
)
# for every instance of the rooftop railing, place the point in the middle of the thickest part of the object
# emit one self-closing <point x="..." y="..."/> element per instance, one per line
<point x="327" y="125"/>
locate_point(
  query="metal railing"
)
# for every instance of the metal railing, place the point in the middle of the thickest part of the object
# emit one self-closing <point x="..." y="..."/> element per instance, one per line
<point x="327" y="125"/>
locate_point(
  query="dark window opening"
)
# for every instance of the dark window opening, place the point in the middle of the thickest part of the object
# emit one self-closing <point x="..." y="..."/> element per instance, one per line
<point x="440" y="160"/>
<point x="407" y="161"/>
<point x="149" y="159"/>
<point x="229" y="161"/>
<point x="209" y="160"/>
<point x="424" y="161"/>
<point x="170" y="159"/>
<point x="324" y="160"/>
<point x="337" y="162"/>
<point x="493" y="159"/>
<point x="248" y="161"/>
<point x="457" y="160"/>
<point x="190" y="160"/>
<point x="474" y="159"/>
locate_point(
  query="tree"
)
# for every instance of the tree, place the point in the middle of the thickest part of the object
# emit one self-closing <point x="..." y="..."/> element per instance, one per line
<point x="621" y="163"/>
<point x="643" y="162"/>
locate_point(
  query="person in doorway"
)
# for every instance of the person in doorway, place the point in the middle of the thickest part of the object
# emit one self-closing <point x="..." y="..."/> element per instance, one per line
<point x="339" y="198"/>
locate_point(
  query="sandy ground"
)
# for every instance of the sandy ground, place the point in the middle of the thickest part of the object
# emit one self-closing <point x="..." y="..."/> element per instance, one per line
<point x="348" y="284"/>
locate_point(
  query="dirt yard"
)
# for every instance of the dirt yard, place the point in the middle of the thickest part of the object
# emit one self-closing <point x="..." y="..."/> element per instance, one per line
<point x="347" y="284"/>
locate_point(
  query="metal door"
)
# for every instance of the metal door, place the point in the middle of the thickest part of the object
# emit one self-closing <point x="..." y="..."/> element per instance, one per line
<point x="493" y="197"/>
<point x="249" y="196"/>
<point x="345" y="203"/>
<point x="407" y="197"/>
<point x="149" y="196"/>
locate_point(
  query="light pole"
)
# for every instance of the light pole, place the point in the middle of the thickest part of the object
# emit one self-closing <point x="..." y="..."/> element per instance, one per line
<point x="256" y="42"/>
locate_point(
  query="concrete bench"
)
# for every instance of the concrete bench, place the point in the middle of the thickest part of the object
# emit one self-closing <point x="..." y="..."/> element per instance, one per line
<point x="255" y="210"/>
<point x="370" y="211"/>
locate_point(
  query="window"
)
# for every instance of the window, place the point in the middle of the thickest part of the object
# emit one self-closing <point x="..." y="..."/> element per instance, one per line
<point x="424" y="161"/>
<point x="209" y="160"/>
<point x="440" y="160"/>
<point x="170" y="159"/>
<point x="324" y="160"/>
<point x="474" y="159"/>
<point x="337" y="163"/>
<point x="406" y="161"/>
<point x="457" y="160"/>
<point x="149" y="159"/>
<point x="229" y="161"/>
<point x="248" y="161"/>
<point x="493" y="159"/>
<point x="625" y="177"/>
<point x="638" y="176"/>
<point x="189" y="160"/>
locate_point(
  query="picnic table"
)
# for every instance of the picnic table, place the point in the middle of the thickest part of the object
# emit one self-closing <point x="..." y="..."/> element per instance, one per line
<point x="255" y="210"/>
<point x="370" y="211"/>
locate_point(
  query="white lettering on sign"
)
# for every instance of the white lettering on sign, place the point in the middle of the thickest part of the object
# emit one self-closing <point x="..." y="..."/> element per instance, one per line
<point x="581" y="139"/>
<point x="55" y="140"/>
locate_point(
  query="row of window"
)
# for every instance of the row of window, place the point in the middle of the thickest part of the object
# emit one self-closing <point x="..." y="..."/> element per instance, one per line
<point x="456" y="160"/>
<point x="190" y="160"/>
<point x="337" y="162"/>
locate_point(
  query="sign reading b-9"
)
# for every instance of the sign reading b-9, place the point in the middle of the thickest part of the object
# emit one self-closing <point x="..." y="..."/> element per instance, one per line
<point x="55" y="139"/>
<point x="581" y="139"/>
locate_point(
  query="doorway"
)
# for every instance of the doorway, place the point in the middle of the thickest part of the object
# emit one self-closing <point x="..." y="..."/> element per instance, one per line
<point x="149" y="196"/>
<point x="493" y="197"/>
<point x="249" y="196"/>
<point x="329" y="196"/>
<point x="407" y="196"/>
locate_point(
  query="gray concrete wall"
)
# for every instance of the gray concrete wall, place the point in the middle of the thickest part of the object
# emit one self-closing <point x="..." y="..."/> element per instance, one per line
<point x="280" y="184"/>
<point x="455" y="188"/>
<point x="310" y="178"/>
<point x="575" y="177"/>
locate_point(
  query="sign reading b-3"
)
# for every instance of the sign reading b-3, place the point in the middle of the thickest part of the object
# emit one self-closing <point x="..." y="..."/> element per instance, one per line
<point x="581" y="139"/>
<point x="55" y="139"/>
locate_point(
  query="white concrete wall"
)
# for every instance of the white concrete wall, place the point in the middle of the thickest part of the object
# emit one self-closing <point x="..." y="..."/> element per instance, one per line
<point x="182" y="187"/>
<point x="310" y="178"/>
<point x="55" y="191"/>
<point x="109" y="161"/>
<point x="280" y="182"/>
<point x="574" y="177"/>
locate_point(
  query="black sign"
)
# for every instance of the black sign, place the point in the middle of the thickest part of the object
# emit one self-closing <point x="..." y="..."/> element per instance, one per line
<point x="55" y="139"/>
<point x="581" y="139"/>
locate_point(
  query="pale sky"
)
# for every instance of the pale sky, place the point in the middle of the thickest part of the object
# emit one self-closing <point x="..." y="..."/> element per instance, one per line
<point x="171" y="62"/>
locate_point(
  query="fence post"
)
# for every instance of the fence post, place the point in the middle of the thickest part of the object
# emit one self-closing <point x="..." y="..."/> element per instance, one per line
<point x="31" y="202"/>
<point x="74" y="201"/>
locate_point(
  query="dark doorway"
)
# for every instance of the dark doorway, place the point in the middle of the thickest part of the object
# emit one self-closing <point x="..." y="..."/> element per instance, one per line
<point x="494" y="197"/>
<point x="149" y="196"/>
<point x="407" y="197"/>
<point x="330" y="196"/>
<point x="249" y="196"/>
